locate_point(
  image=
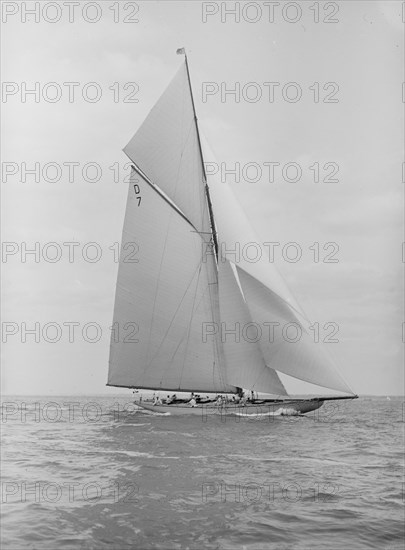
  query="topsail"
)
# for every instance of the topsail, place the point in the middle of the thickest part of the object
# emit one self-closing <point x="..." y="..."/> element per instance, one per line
<point x="166" y="149"/>
<point x="181" y="292"/>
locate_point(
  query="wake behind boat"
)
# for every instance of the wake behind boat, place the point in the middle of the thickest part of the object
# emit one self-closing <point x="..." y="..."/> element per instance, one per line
<point x="189" y="315"/>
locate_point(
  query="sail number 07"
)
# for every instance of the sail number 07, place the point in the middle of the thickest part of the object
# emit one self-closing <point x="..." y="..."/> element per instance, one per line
<point x="137" y="193"/>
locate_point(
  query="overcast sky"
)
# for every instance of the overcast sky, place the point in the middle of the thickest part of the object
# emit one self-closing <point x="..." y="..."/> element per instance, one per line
<point x="361" y="134"/>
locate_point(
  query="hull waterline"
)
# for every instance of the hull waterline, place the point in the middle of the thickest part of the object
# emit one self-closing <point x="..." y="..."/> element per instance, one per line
<point x="284" y="408"/>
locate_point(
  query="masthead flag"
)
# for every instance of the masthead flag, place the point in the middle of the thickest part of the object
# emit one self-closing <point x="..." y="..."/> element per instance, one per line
<point x="181" y="51"/>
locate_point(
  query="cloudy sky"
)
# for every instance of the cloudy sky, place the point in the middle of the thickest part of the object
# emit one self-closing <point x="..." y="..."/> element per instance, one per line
<point x="349" y="73"/>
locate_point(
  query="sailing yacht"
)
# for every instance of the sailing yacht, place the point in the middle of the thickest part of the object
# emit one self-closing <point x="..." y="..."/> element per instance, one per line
<point x="196" y="317"/>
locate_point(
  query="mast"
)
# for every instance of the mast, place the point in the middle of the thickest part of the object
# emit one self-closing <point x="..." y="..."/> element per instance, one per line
<point x="207" y="190"/>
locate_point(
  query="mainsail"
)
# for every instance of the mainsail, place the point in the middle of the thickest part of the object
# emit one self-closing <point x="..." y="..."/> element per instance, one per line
<point x="179" y="283"/>
<point x="167" y="295"/>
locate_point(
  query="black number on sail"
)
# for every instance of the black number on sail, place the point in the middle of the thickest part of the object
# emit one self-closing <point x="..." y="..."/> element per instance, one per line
<point x="137" y="192"/>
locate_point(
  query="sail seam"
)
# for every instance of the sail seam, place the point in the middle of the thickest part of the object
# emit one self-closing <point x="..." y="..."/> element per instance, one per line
<point x="172" y="320"/>
<point x="189" y="325"/>
<point x="156" y="294"/>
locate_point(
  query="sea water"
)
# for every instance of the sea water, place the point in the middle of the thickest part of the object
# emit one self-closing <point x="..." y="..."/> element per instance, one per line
<point x="93" y="472"/>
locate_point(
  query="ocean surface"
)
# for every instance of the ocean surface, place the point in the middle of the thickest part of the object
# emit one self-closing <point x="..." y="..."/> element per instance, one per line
<point x="93" y="472"/>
